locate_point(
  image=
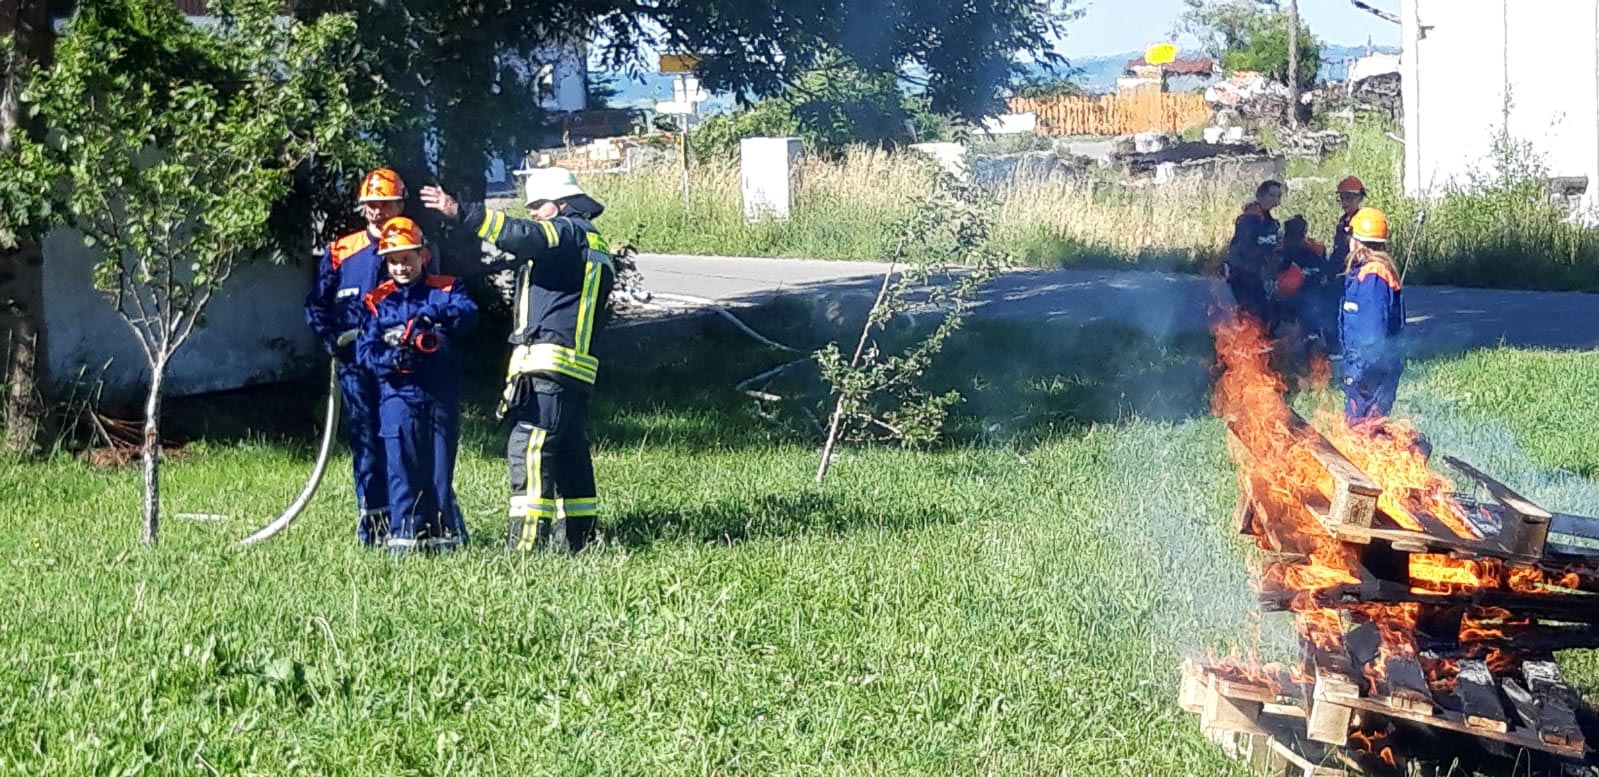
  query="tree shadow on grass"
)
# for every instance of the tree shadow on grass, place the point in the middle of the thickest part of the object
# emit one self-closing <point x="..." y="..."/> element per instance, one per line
<point x="756" y="516"/>
<point x="1019" y="381"/>
<point x="673" y="383"/>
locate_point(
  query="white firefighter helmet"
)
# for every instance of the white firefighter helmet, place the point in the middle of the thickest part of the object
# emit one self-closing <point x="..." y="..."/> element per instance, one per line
<point x="558" y="183"/>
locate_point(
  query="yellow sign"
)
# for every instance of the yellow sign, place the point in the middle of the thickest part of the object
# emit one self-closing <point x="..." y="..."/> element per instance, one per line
<point x="1160" y="54"/>
<point x="679" y="63"/>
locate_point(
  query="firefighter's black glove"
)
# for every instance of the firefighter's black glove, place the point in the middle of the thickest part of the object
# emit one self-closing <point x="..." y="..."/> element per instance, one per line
<point x="406" y="359"/>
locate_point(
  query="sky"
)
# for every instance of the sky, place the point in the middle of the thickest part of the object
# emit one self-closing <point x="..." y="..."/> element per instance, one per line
<point x="1116" y="26"/>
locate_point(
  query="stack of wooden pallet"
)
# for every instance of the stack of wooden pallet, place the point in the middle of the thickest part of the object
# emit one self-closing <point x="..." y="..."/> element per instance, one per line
<point x="1403" y="668"/>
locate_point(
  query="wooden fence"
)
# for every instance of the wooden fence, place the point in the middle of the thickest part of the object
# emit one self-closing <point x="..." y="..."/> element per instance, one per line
<point x="1115" y="114"/>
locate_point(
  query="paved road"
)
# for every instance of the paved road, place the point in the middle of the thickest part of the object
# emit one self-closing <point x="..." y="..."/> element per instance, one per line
<point x="1440" y="317"/>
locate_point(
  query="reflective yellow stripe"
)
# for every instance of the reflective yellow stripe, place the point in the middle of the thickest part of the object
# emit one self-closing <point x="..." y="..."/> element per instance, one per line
<point x="534" y="464"/>
<point x="533" y="504"/>
<point x="581" y="508"/>
<point x="483" y="229"/>
<point x="598" y="243"/>
<point x="586" y="305"/>
<point x="499" y="223"/>
<point x="550" y="235"/>
<point x="549" y="357"/>
<point x="527" y="507"/>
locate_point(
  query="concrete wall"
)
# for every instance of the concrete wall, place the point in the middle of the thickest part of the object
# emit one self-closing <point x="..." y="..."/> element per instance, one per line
<point x="1471" y="69"/>
<point x="256" y="329"/>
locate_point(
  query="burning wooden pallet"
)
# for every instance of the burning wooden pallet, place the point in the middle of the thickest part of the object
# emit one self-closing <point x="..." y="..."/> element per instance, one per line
<point x="1429" y="634"/>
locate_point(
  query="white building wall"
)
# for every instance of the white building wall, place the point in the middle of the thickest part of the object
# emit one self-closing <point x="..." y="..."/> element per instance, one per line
<point x="1471" y="69"/>
<point x="255" y="330"/>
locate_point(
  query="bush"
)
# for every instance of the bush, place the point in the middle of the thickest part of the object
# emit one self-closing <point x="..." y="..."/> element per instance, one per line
<point x="830" y="108"/>
<point x="1264" y="48"/>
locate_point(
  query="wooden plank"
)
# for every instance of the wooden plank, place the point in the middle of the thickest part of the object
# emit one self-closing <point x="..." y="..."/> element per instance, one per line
<point x="1557" y="704"/>
<point x="1454" y="721"/>
<point x="1191" y="690"/>
<point x="1407" y="683"/>
<point x="1354" y="497"/>
<point x="1223" y="713"/>
<point x="1575" y="526"/>
<point x="1479" y="697"/>
<point x="1329" y="719"/>
<point x="1525" y="530"/>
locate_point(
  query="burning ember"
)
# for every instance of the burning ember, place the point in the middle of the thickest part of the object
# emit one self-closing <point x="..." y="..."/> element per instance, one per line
<point x="1410" y="602"/>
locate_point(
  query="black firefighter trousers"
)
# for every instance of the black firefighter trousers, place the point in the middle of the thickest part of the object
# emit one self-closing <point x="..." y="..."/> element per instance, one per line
<point x="553" y="502"/>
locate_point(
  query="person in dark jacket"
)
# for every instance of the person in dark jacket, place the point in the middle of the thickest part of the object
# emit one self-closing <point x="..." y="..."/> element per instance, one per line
<point x="1254" y="254"/>
<point x="408" y="343"/>
<point x="347" y="270"/>
<point x="1370" y="319"/>
<point x="564" y="275"/>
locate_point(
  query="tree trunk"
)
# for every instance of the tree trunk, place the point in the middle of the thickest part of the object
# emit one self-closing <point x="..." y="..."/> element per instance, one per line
<point x="21" y="317"/>
<point x="1293" y="62"/>
<point x="25" y="411"/>
<point x="152" y="451"/>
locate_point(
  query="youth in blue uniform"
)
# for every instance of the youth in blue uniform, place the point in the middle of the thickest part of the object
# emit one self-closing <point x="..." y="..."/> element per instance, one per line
<point x="409" y="344"/>
<point x="1254" y="254"/>
<point x="1304" y="264"/>
<point x="1371" y="316"/>
<point x="347" y="270"/>
<point x="563" y="279"/>
<point x="1351" y="197"/>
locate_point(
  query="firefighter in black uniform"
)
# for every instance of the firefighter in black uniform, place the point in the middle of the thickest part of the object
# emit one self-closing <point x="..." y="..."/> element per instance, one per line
<point x="564" y="276"/>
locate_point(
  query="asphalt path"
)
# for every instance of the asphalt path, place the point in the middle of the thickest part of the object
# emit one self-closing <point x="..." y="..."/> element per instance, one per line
<point x="1162" y="304"/>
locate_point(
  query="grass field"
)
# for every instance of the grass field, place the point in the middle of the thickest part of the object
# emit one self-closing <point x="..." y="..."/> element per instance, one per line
<point x="1013" y="602"/>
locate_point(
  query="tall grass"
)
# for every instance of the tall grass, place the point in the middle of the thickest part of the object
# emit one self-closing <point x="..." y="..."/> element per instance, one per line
<point x="841" y="211"/>
<point x="1501" y="232"/>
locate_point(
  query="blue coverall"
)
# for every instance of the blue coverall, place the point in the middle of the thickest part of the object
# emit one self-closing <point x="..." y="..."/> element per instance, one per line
<point x="420" y="406"/>
<point x="1252" y="253"/>
<point x="1316" y="304"/>
<point x="347" y="270"/>
<point x="1369" y="320"/>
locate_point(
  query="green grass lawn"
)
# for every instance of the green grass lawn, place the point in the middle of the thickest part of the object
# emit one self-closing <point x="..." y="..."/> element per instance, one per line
<point x="1014" y="602"/>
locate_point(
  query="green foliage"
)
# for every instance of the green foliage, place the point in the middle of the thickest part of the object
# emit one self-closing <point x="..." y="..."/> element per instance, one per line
<point x="831" y="108"/>
<point x="172" y="143"/>
<point x="169" y="145"/>
<point x="1250" y="35"/>
<point x="1264" y="48"/>
<point x="944" y="249"/>
<point x="470" y="68"/>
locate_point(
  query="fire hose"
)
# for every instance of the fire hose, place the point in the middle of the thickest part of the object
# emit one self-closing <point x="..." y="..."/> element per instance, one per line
<point x="330" y="430"/>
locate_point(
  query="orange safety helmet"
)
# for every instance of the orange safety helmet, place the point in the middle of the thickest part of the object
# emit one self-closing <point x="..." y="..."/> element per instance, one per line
<point x="1351" y="185"/>
<point x="400" y="234"/>
<point x="1369" y="225"/>
<point x="382" y="185"/>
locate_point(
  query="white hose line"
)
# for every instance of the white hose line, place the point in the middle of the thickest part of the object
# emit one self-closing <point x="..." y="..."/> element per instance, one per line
<point x="330" y="431"/>
<point x="727" y="314"/>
